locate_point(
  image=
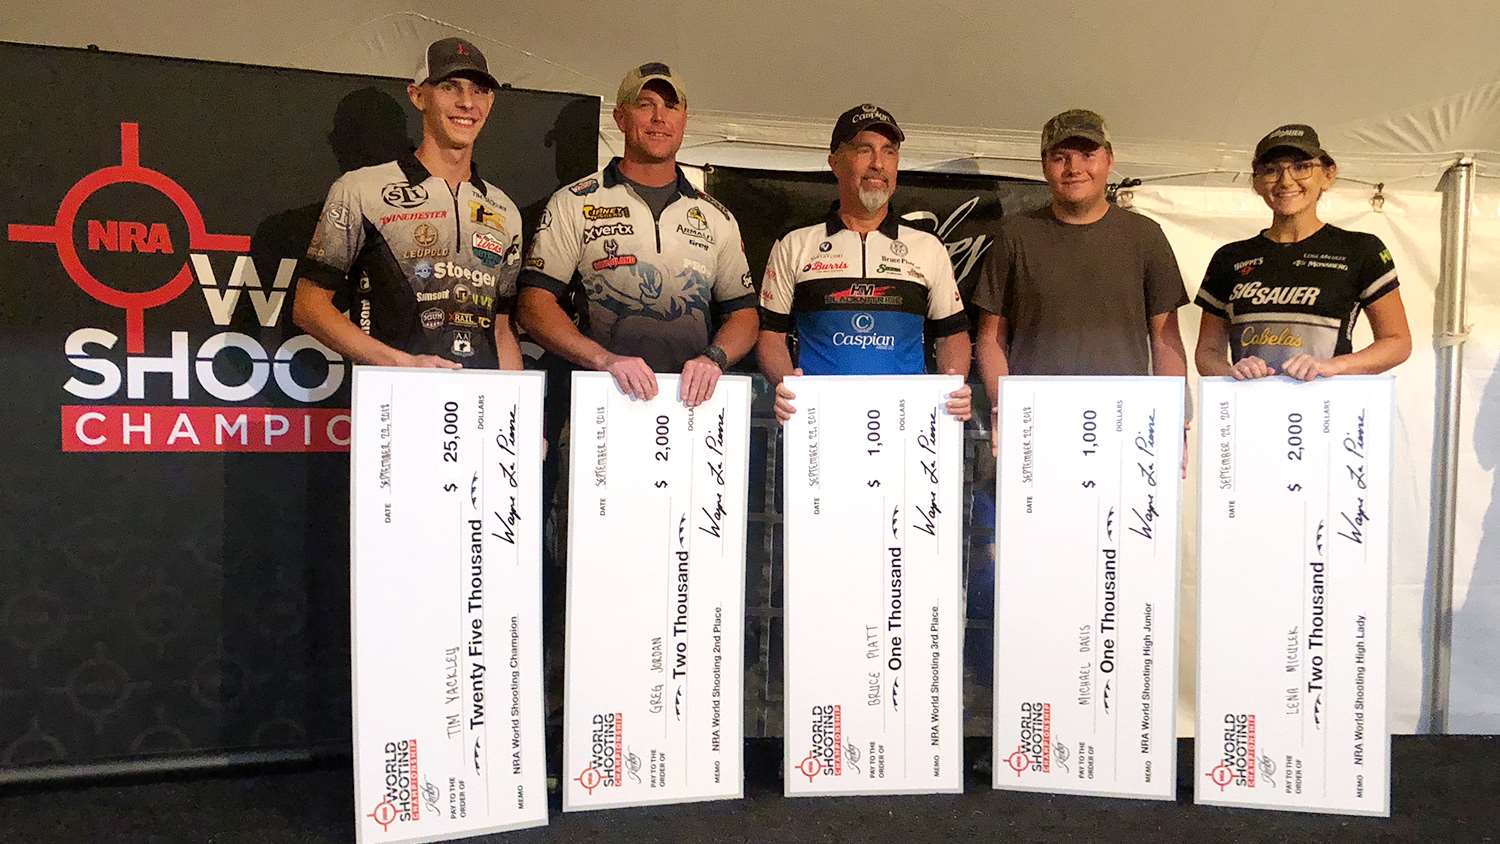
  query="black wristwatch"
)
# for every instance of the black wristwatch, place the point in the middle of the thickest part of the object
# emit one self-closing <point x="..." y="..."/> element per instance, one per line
<point x="716" y="354"/>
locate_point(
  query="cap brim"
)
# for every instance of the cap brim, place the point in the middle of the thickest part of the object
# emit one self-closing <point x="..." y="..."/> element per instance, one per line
<point x="1309" y="150"/>
<point x="890" y="130"/>
<point x="1096" y="138"/>
<point x="465" y="70"/>
<point x="681" y="97"/>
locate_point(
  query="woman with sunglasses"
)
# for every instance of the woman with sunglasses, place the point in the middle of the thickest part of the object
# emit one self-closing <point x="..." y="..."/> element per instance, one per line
<point x="1285" y="301"/>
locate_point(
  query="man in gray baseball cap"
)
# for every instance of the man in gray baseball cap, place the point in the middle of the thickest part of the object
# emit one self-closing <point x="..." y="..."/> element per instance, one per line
<point x="1068" y="287"/>
<point x="436" y="290"/>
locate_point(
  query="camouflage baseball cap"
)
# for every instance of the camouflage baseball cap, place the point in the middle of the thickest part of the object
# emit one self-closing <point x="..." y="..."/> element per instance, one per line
<point x="1297" y="136"/>
<point x="637" y="77"/>
<point x="1075" y="123"/>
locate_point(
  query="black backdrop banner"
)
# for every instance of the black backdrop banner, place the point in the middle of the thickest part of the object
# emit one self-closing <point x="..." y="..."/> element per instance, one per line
<point x="174" y="499"/>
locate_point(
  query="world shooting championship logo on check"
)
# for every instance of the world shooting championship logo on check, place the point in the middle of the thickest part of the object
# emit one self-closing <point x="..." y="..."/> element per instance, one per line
<point x="1034" y="752"/>
<point x="606" y="746"/>
<point x="1237" y="766"/>
<point x="399" y="803"/>
<point x="824" y="759"/>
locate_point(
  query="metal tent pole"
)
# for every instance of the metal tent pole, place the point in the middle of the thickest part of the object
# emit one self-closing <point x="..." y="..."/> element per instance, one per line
<point x="1458" y="198"/>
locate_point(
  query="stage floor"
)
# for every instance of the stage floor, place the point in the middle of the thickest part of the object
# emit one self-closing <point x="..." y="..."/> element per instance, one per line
<point x="1444" y="789"/>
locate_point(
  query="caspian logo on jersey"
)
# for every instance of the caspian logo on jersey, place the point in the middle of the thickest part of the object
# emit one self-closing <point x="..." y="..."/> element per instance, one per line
<point x="544" y="222"/>
<point x="605" y="212"/>
<point x="403" y="195"/>
<point x="864" y="336"/>
<point x="593" y="233"/>
<point x="817" y="265"/>
<point x="489" y="249"/>
<point x="145" y="395"/>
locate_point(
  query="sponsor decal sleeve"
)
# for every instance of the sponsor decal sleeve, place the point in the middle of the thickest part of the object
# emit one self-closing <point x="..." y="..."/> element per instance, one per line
<point x="945" y="308"/>
<point x="1377" y="273"/>
<point x="555" y="248"/>
<point x="1213" y="293"/>
<point x="337" y="239"/>
<point x="776" y="288"/>
<point x="734" y="288"/>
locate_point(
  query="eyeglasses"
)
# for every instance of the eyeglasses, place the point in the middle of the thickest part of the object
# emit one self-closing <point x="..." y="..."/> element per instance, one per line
<point x="1300" y="170"/>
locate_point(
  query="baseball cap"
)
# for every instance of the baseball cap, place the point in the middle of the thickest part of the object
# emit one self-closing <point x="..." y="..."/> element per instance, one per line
<point x="860" y="118"/>
<point x="1297" y="136"/>
<point x="1075" y="123"/>
<point x="451" y="57"/>
<point x="637" y="77"/>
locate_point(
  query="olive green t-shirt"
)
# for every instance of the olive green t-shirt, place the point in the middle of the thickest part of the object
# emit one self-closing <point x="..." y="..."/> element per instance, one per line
<point x="1078" y="298"/>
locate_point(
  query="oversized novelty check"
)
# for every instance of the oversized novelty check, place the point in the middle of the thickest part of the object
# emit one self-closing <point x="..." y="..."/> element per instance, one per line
<point x="656" y="595"/>
<point x="446" y="530"/>
<point x="1293" y="598"/>
<point x="874" y="611"/>
<point x="1088" y="484"/>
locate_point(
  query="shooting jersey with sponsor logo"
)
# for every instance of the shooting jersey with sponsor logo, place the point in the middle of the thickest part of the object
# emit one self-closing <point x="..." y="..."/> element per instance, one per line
<point x="861" y="304"/>
<point x="1282" y="299"/>
<point x="643" y="286"/>
<point x="434" y="265"/>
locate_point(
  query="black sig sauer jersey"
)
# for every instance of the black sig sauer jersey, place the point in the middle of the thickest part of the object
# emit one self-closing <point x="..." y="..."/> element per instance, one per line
<point x="433" y="266"/>
<point x="1285" y="298"/>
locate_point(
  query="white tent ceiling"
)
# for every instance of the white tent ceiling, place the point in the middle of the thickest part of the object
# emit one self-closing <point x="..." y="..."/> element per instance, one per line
<point x="1187" y="85"/>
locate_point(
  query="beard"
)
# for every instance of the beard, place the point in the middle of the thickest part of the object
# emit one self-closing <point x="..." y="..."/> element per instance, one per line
<point x="873" y="200"/>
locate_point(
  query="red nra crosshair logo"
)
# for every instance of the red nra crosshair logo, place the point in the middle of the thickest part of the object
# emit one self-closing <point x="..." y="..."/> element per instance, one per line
<point x="1018" y="761"/>
<point x="384" y="814"/>
<point x="810" y="766"/>
<point x="1221" y="775"/>
<point x="129" y="171"/>
<point x="590" y="779"/>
